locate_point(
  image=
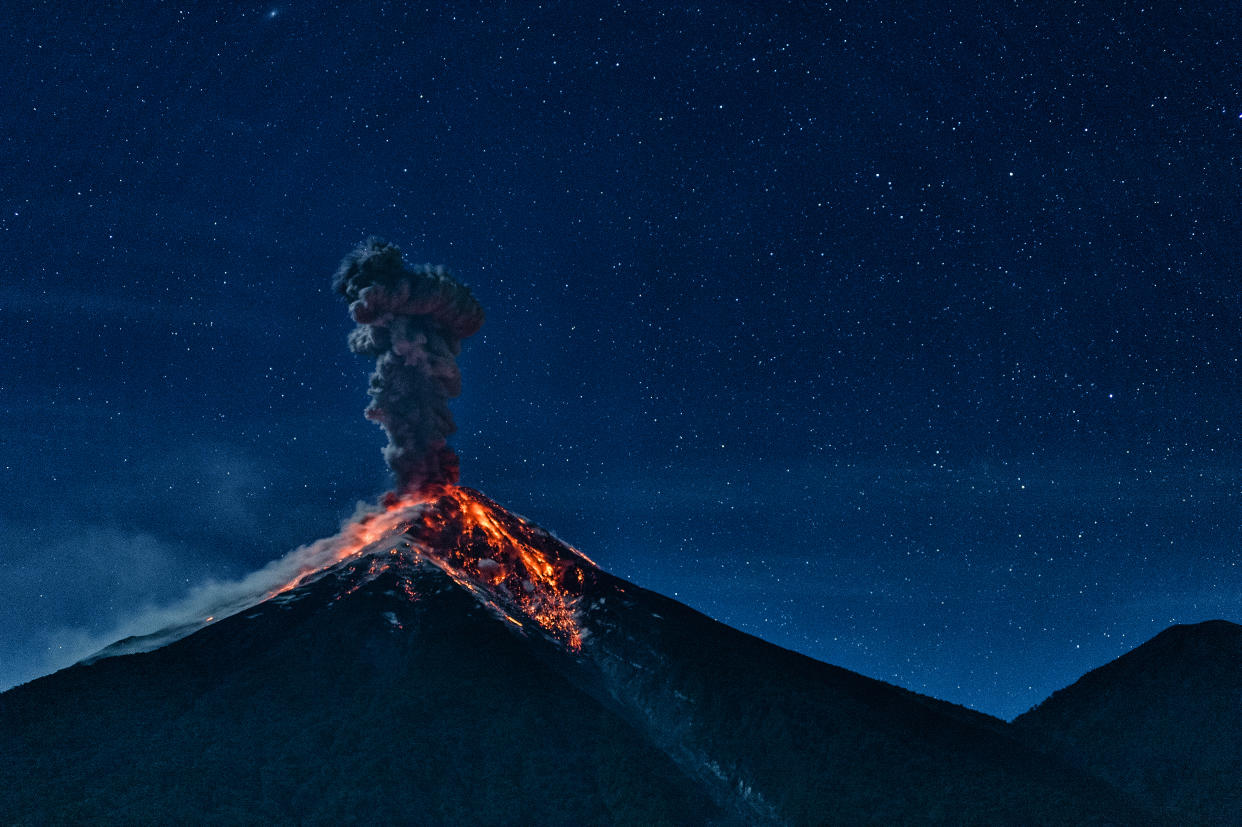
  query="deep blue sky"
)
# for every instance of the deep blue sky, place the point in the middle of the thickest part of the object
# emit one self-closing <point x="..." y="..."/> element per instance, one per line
<point x="906" y="339"/>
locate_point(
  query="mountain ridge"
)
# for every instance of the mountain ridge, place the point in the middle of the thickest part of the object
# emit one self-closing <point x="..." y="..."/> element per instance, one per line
<point x="494" y="645"/>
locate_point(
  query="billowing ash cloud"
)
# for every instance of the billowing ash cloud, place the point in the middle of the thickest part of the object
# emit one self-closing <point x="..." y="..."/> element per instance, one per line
<point x="411" y="319"/>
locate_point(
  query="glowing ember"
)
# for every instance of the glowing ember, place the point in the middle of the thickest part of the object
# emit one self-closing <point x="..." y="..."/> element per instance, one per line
<point x="513" y="566"/>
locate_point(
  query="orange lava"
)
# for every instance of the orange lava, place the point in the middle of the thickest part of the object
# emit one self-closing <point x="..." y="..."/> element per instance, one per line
<point x="513" y="566"/>
<point x="522" y="566"/>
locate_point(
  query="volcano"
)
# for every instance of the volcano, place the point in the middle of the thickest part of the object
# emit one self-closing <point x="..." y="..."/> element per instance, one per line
<point x="451" y="662"/>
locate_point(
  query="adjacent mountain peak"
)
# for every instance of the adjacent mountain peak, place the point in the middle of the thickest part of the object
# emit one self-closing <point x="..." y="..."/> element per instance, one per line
<point x="1162" y="721"/>
<point x="1209" y="632"/>
<point x="1186" y="655"/>
<point x="1212" y="626"/>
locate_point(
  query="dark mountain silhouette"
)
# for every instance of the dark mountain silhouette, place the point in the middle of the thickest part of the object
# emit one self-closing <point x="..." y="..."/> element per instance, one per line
<point x="1163" y="722"/>
<point x="430" y="677"/>
<point x="803" y="742"/>
<point x="343" y="700"/>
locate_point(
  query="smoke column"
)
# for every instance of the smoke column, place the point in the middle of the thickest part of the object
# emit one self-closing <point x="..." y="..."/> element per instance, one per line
<point x="412" y="321"/>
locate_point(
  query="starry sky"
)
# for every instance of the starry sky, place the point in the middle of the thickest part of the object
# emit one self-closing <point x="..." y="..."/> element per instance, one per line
<point x="908" y="339"/>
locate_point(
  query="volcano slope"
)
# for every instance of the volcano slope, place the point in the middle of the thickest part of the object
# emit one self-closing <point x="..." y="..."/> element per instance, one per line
<point x="344" y="700"/>
<point x="463" y="666"/>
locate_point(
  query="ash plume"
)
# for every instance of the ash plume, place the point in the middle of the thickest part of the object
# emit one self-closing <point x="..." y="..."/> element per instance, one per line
<point x="412" y="320"/>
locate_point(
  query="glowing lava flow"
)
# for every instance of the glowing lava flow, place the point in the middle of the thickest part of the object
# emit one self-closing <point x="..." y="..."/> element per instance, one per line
<point x="519" y="564"/>
<point x="514" y="566"/>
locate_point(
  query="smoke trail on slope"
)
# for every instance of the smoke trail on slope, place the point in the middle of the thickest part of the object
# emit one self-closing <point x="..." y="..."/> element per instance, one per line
<point x="154" y="626"/>
<point x="411" y="319"/>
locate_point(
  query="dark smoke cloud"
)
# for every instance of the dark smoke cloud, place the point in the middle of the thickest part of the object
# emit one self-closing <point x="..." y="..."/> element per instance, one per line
<point x="411" y="319"/>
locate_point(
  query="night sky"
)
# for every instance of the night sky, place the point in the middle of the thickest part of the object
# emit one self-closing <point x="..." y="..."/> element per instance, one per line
<point x="905" y="339"/>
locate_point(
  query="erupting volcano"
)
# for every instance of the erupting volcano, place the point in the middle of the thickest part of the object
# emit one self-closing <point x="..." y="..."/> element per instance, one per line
<point x="442" y="660"/>
<point x="412" y="320"/>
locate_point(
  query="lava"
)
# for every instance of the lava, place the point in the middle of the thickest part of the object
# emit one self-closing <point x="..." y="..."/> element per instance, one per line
<point x="513" y="566"/>
<point x="521" y="566"/>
